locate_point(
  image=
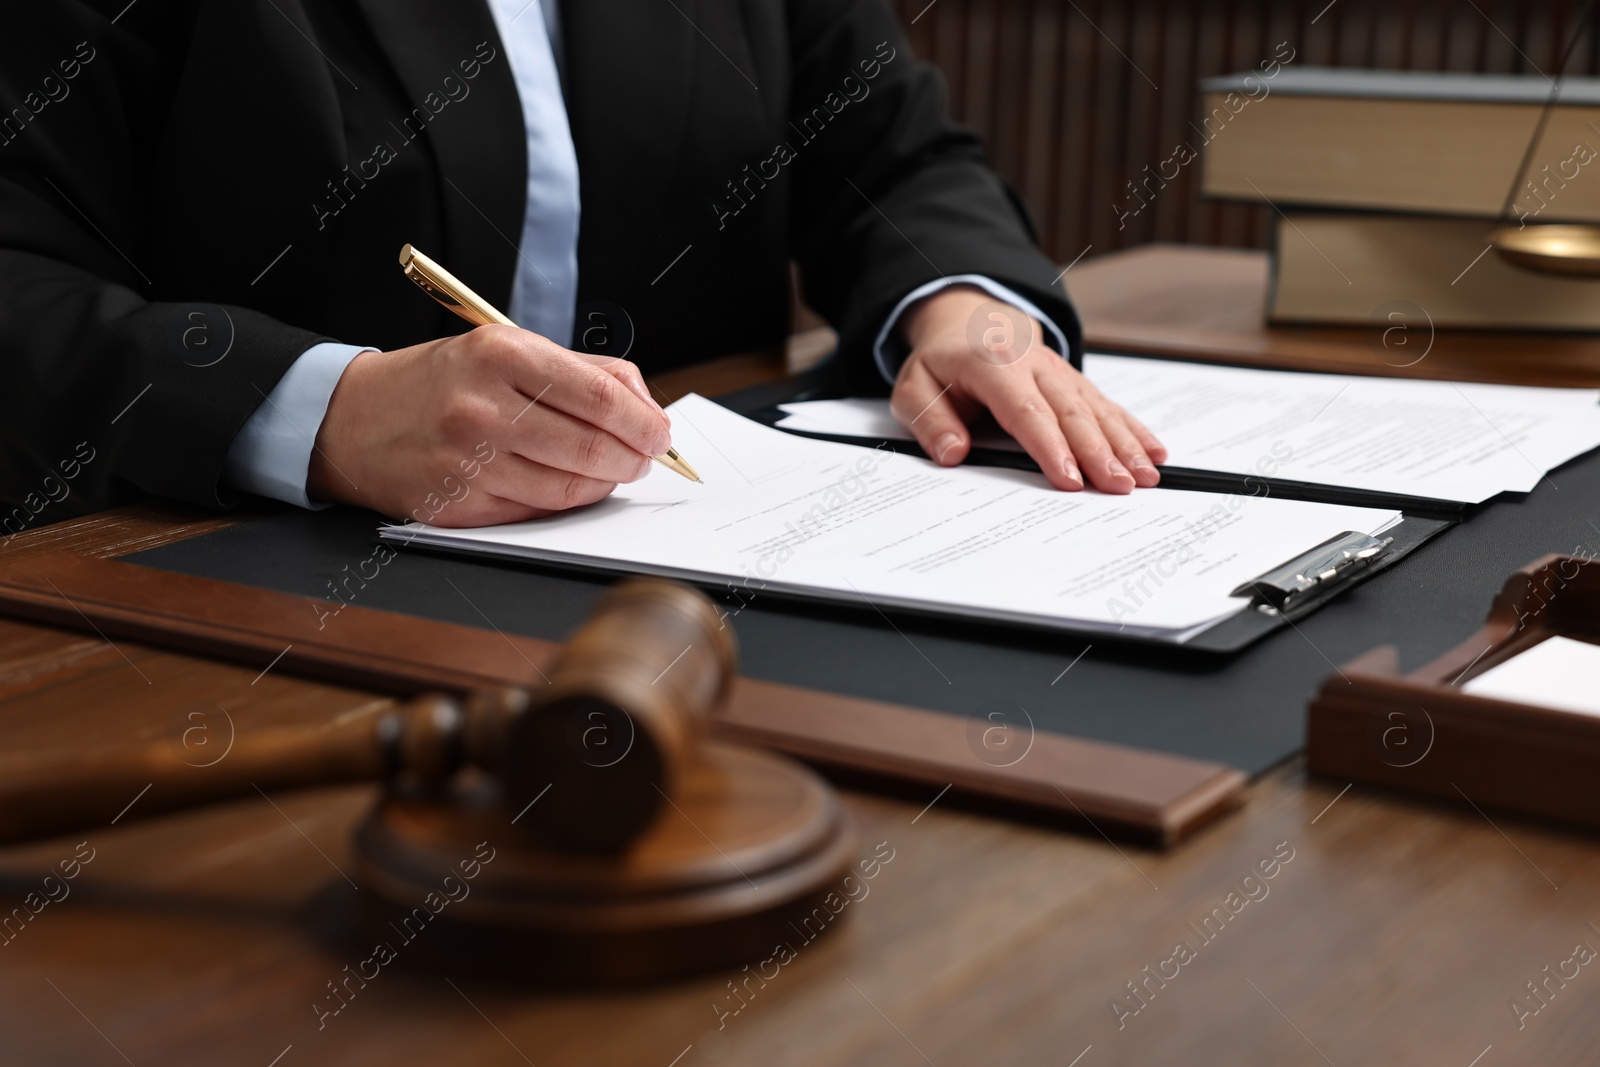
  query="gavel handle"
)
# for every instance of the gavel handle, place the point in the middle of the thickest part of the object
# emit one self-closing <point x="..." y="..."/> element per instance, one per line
<point x="68" y="790"/>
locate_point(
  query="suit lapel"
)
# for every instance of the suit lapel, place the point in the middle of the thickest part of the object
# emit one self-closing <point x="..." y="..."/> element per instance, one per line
<point x="478" y="143"/>
<point x="630" y="70"/>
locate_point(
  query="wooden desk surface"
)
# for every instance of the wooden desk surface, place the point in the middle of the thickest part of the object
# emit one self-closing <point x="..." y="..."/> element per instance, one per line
<point x="1393" y="931"/>
<point x="1210" y="304"/>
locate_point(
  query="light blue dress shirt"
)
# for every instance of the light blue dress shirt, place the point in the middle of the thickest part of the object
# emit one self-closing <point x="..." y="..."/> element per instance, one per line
<point x="272" y="453"/>
<point x="544" y="294"/>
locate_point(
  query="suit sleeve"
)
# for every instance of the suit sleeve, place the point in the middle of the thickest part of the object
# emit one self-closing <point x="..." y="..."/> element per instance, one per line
<point x="95" y="358"/>
<point x="890" y="194"/>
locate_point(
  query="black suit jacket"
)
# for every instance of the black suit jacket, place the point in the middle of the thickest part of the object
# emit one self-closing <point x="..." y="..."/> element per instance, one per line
<point x="194" y="192"/>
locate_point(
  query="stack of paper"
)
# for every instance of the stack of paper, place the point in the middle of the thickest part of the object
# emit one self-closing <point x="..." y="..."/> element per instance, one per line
<point x="784" y="514"/>
<point x="1441" y="440"/>
<point x="1558" y="672"/>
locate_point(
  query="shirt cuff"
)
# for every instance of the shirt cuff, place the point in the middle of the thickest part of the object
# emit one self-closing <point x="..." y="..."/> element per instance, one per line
<point x="890" y="352"/>
<point x="271" y="457"/>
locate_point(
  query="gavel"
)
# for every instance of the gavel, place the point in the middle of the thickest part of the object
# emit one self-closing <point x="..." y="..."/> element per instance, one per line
<point x="585" y="763"/>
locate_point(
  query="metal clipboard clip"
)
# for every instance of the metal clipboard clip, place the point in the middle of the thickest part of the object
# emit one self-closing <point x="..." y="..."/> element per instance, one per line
<point x="1320" y="572"/>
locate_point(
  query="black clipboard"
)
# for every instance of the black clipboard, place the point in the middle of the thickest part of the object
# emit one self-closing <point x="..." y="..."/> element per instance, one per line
<point x="1325" y="571"/>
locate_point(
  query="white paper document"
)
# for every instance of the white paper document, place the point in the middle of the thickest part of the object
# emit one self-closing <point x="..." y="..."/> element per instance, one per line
<point x="784" y="514"/>
<point x="1558" y="672"/>
<point x="1455" y="441"/>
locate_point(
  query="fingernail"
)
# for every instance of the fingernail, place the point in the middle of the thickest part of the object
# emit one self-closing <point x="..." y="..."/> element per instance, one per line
<point x="942" y="447"/>
<point x="1146" y="470"/>
<point x="660" y="443"/>
<point x="1069" y="471"/>
<point x="1117" y="470"/>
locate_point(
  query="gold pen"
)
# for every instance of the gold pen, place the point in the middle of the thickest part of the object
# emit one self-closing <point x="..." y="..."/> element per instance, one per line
<point x="448" y="290"/>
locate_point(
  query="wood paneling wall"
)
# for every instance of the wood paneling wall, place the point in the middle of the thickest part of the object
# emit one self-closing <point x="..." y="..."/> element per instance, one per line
<point x="1075" y="97"/>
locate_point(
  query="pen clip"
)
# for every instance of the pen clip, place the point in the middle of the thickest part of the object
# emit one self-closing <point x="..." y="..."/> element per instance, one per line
<point x="1317" y="573"/>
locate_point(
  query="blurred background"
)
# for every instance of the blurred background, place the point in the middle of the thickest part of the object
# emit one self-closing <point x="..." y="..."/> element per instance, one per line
<point x="1075" y="97"/>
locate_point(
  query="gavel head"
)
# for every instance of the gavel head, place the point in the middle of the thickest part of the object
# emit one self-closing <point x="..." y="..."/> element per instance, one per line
<point x="603" y="767"/>
<point x="594" y="758"/>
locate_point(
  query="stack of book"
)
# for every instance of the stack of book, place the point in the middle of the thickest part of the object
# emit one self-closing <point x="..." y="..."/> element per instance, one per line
<point x="1386" y="184"/>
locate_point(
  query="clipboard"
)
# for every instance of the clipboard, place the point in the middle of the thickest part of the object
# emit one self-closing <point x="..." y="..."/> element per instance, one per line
<point x="1261" y="616"/>
<point x="1422" y="732"/>
<point x="1304" y="583"/>
<point x="1279" y="598"/>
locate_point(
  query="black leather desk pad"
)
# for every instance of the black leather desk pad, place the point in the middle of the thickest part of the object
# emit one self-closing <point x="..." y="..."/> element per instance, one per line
<point x="1246" y="709"/>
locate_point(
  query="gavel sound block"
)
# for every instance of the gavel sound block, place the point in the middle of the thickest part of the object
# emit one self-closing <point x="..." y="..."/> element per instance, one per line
<point x="582" y="831"/>
<point x="1422" y="732"/>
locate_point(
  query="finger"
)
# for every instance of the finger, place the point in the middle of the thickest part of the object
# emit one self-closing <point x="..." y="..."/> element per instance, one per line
<point x="1123" y="441"/>
<point x="536" y="485"/>
<point x="626" y="373"/>
<point x="1022" y="410"/>
<point x="555" y="439"/>
<point x="1152" y="444"/>
<point x="1087" y="441"/>
<point x="561" y="379"/>
<point x="1114" y="424"/>
<point x="923" y="406"/>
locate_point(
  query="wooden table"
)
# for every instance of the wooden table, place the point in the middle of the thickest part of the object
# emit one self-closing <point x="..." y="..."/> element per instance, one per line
<point x="1397" y="931"/>
<point x="1210" y="304"/>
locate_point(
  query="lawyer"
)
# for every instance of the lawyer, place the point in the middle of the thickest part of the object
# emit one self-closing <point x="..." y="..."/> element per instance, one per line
<point x="201" y="204"/>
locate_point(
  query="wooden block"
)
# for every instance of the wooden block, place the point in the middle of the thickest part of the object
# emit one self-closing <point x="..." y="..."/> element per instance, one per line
<point x="1421" y="732"/>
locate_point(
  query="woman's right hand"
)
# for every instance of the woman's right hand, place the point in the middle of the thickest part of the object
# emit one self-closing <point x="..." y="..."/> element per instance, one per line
<point x="492" y="426"/>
